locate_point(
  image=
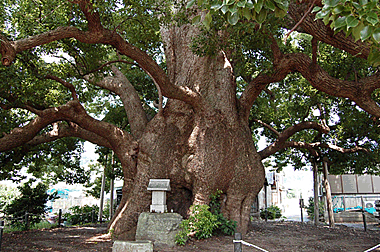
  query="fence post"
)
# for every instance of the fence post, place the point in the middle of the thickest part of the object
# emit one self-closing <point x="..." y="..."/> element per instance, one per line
<point x="92" y="216"/>
<point x="301" y="207"/>
<point x="364" y="221"/>
<point x="237" y="242"/>
<point x="1" y="232"/>
<point x="27" y="220"/>
<point x="59" y="217"/>
<point x="363" y="213"/>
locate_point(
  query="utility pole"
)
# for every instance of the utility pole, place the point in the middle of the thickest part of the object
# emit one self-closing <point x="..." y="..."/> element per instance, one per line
<point x="102" y="191"/>
<point x="112" y="185"/>
<point x="328" y="193"/>
<point x="316" y="197"/>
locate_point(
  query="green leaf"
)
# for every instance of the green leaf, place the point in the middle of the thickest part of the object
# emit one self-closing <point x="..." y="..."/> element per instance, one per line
<point x="270" y="5"/>
<point x="224" y="9"/>
<point x="247" y="13"/>
<point x="190" y="3"/>
<point x="340" y="22"/>
<point x="322" y="14"/>
<point x="356" y="31"/>
<point x="216" y="5"/>
<point x="351" y="21"/>
<point x="233" y="18"/>
<point x="260" y="18"/>
<point x="196" y="20"/>
<point x="259" y="6"/>
<point x="207" y="20"/>
<point x="376" y="35"/>
<point x="366" y="33"/>
<point x="249" y="4"/>
<point x="316" y="9"/>
<point x="242" y="3"/>
<point x="363" y="2"/>
<point x="232" y="9"/>
<point x="229" y="2"/>
<point x="338" y="9"/>
<point x="331" y="3"/>
<point x="357" y="5"/>
<point x="372" y="18"/>
<point x="280" y="13"/>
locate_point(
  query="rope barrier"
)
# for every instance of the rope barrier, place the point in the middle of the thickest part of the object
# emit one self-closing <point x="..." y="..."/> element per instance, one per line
<point x="250" y="245"/>
<point x="373" y="248"/>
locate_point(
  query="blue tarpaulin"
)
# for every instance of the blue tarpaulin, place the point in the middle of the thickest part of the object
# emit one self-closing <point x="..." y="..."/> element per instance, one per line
<point x="370" y="210"/>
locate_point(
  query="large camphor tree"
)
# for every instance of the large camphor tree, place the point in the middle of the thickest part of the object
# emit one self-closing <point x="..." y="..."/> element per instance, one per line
<point x="197" y="82"/>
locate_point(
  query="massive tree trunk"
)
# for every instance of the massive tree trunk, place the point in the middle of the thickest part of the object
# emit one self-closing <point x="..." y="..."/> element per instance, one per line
<point x="199" y="150"/>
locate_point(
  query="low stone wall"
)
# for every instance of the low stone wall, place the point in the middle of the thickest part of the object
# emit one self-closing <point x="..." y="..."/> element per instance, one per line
<point x="350" y="217"/>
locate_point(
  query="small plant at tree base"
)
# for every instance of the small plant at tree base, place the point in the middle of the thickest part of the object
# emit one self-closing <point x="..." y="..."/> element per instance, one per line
<point x="226" y="226"/>
<point x="205" y="221"/>
<point x="272" y="212"/>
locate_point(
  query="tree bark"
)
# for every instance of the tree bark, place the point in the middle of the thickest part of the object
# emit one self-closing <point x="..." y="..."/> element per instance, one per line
<point x="328" y="194"/>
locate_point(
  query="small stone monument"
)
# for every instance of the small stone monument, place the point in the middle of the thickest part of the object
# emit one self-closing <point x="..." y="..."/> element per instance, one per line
<point x="158" y="226"/>
<point x="159" y="187"/>
<point x="132" y="246"/>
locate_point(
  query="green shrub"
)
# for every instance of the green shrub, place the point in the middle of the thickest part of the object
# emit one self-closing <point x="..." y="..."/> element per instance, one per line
<point x="226" y="226"/>
<point x="310" y="209"/>
<point x="82" y="215"/>
<point x="272" y="212"/>
<point x="32" y="200"/>
<point x="205" y="221"/>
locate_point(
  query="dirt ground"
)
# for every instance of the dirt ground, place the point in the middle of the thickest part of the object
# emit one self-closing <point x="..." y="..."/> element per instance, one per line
<point x="271" y="236"/>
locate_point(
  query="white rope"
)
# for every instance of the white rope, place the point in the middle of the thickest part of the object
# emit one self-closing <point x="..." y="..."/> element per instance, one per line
<point x="373" y="248"/>
<point x="251" y="245"/>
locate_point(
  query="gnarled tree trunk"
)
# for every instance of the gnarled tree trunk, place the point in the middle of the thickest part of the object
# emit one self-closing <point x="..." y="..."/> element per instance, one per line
<point x="199" y="150"/>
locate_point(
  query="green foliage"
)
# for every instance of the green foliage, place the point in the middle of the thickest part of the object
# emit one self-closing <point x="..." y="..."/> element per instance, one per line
<point x="310" y="209"/>
<point x="226" y="226"/>
<point x="358" y="18"/>
<point x="32" y="200"/>
<point x="40" y="225"/>
<point x="235" y="10"/>
<point x="272" y="212"/>
<point x="201" y="222"/>
<point x="205" y="221"/>
<point x="7" y="194"/>
<point x="82" y="215"/>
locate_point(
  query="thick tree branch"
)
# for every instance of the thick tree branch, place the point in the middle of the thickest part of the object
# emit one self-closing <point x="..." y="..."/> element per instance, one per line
<point x="313" y="148"/>
<point x="120" y="85"/>
<point x="358" y="91"/>
<point x="62" y="130"/>
<point x="71" y="111"/>
<point x="281" y="141"/>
